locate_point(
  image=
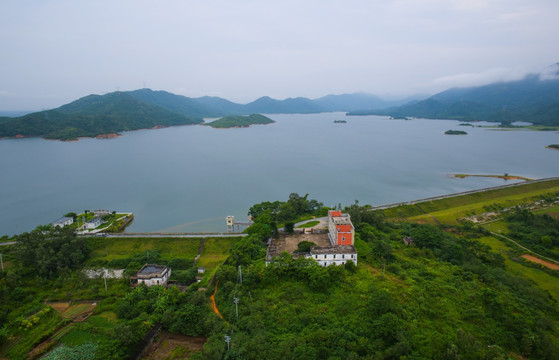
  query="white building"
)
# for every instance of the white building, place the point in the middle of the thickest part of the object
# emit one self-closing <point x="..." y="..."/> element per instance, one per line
<point x="151" y="274"/>
<point x="93" y="223"/>
<point x="335" y="255"/>
<point x="63" y="221"/>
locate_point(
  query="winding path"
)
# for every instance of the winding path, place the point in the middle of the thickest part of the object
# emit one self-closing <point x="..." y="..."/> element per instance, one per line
<point x="214" y="306"/>
<point x="525" y="248"/>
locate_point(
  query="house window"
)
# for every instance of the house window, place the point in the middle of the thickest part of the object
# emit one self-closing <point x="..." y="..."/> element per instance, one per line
<point x="334" y="256"/>
<point x="325" y="256"/>
<point x="343" y="256"/>
<point x="343" y="238"/>
<point x="325" y="263"/>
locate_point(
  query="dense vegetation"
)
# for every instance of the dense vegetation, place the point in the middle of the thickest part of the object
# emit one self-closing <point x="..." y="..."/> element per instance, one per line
<point x="91" y="116"/>
<point x="446" y="296"/>
<point x="553" y="146"/>
<point x="240" y="121"/>
<point x="455" y="132"/>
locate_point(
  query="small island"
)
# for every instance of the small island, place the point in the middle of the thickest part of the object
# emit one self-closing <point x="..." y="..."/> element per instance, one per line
<point x="506" y="176"/>
<point x="340" y="121"/>
<point x="228" y="122"/>
<point x="553" y="146"/>
<point x="466" y="124"/>
<point x="455" y="132"/>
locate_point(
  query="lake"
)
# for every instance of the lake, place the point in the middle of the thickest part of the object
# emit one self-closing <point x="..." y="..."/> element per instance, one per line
<point x="188" y="178"/>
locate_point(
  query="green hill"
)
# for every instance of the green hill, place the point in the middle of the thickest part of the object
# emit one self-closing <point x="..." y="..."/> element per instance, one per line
<point x="91" y="116"/>
<point x="240" y="121"/>
<point x="534" y="99"/>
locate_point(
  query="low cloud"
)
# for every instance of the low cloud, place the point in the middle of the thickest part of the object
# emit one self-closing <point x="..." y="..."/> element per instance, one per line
<point x="479" y="79"/>
<point x="550" y="72"/>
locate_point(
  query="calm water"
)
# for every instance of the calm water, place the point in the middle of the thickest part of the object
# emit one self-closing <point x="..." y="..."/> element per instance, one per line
<point x="189" y="178"/>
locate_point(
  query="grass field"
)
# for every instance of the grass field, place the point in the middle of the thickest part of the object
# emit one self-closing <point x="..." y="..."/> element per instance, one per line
<point x="450" y="209"/>
<point x="168" y="248"/>
<point x="216" y="250"/>
<point x="310" y="224"/>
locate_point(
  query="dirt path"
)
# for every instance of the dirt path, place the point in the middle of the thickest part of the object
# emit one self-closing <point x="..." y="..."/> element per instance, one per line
<point x="214" y="306"/>
<point x="547" y="264"/>
<point x="200" y="249"/>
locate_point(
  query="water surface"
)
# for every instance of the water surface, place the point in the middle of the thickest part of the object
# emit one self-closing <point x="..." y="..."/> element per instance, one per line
<point x="189" y="178"/>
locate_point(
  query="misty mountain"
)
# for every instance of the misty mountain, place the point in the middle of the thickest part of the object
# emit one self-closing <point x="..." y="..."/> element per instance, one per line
<point x="356" y="101"/>
<point x="268" y="105"/>
<point x="534" y="99"/>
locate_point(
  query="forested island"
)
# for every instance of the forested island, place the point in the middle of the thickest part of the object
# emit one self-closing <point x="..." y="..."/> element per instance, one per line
<point x="455" y="132"/>
<point x="553" y="146"/>
<point x="431" y="282"/>
<point x="240" y="121"/>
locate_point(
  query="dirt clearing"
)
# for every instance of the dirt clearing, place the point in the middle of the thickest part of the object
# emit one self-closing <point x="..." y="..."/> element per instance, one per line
<point x="174" y="346"/>
<point x="547" y="264"/>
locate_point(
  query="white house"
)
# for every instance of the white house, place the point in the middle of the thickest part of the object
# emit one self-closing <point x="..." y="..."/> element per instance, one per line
<point x="151" y="274"/>
<point x="93" y="223"/>
<point x="335" y="255"/>
<point x="63" y="221"/>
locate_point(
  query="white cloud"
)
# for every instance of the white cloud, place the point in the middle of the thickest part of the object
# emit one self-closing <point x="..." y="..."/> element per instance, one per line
<point x="550" y="72"/>
<point x="481" y="78"/>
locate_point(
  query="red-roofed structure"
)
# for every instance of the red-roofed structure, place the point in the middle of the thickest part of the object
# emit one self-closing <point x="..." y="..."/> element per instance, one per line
<point x="340" y="228"/>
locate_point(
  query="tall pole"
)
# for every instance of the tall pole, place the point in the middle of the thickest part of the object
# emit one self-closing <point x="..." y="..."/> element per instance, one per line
<point x="2" y="261"/>
<point x="240" y="275"/>
<point x="105" y="278"/>
<point x="227" y="340"/>
<point x="236" y="301"/>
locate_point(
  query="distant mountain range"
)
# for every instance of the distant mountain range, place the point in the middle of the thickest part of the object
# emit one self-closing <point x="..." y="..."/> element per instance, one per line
<point x="534" y="99"/>
<point x="94" y="115"/>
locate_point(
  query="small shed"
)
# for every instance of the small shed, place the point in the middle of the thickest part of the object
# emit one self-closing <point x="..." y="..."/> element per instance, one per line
<point x="408" y="240"/>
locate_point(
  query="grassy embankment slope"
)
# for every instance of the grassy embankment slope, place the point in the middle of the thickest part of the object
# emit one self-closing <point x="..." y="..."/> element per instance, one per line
<point x="451" y="209"/>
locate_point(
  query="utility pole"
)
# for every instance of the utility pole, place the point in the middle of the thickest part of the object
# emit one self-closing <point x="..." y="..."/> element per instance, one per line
<point x="227" y="340"/>
<point x="2" y="261"/>
<point x="240" y="275"/>
<point x="105" y="278"/>
<point x="236" y="301"/>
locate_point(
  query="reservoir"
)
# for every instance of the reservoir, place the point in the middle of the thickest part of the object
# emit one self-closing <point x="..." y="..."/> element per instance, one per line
<point x="188" y="178"/>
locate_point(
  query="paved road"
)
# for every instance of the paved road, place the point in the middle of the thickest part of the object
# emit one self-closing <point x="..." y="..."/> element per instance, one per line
<point x="161" y="235"/>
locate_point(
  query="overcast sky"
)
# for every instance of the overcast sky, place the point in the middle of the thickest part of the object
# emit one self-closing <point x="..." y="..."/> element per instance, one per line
<point x="54" y="51"/>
